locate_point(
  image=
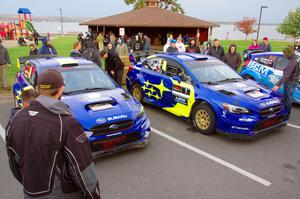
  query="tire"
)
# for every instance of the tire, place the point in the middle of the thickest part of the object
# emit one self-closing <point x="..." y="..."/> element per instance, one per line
<point x="204" y="119"/>
<point x="137" y="92"/>
<point x="248" y="77"/>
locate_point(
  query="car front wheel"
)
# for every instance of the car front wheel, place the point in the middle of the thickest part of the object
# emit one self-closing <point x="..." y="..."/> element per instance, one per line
<point x="204" y="119"/>
<point x="137" y="92"/>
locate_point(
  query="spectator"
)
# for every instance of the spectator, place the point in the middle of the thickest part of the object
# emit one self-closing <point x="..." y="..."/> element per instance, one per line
<point x="58" y="164"/>
<point x="202" y="48"/>
<point x="254" y="45"/>
<point x="233" y="58"/>
<point x="289" y="79"/>
<point x="111" y="49"/>
<point x="147" y="45"/>
<point x="112" y="39"/>
<point x="166" y="46"/>
<point x="91" y="53"/>
<point x="216" y="50"/>
<point x="4" y="64"/>
<point x="266" y="46"/>
<point x="33" y="50"/>
<point x="36" y="37"/>
<point x="193" y="48"/>
<point x="100" y="41"/>
<point x="186" y="39"/>
<point x="208" y="46"/>
<point x="75" y="52"/>
<point x="132" y="41"/>
<point x="172" y="48"/>
<point x="180" y="45"/>
<point x="122" y="48"/>
<point x="113" y="65"/>
<point x="138" y="45"/>
<point x="47" y="47"/>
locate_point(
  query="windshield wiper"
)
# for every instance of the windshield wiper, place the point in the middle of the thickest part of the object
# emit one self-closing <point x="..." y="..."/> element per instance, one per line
<point x="209" y="83"/>
<point x="85" y="90"/>
<point x="231" y="79"/>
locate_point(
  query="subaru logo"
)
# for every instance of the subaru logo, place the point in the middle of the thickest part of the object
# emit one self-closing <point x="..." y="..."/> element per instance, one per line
<point x="114" y="127"/>
<point x="271" y="109"/>
<point x="100" y="120"/>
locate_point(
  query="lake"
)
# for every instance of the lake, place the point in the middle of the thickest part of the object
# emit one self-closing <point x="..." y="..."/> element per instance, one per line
<point x="220" y="32"/>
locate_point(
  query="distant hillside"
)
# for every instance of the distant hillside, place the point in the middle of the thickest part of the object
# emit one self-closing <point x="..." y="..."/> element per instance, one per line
<point x="9" y="17"/>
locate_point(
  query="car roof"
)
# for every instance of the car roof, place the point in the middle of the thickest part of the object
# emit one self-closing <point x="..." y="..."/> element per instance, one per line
<point x="183" y="57"/>
<point x="266" y="53"/>
<point x="58" y="62"/>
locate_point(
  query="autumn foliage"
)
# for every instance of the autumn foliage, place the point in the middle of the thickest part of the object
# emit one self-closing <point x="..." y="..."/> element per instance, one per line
<point x="246" y="26"/>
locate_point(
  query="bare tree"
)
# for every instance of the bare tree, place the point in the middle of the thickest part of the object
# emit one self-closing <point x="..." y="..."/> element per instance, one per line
<point x="246" y="26"/>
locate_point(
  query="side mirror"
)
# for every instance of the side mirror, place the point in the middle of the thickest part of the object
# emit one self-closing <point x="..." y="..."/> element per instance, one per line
<point x="176" y="78"/>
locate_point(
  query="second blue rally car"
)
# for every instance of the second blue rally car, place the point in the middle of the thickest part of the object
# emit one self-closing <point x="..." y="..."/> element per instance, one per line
<point x="111" y="118"/>
<point x="208" y="92"/>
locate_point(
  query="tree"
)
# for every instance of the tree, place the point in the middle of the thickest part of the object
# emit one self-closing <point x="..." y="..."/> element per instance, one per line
<point x="164" y="4"/>
<point x="291" y="24"/>
<point x="246" y="26"/>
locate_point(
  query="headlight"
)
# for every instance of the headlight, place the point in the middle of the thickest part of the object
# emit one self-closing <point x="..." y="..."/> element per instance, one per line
<point x="234" y="109"/>
<point x="141" y="112"/>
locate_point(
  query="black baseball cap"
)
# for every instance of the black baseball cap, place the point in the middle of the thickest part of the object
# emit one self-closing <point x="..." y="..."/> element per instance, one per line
<point x="50" y="79"/>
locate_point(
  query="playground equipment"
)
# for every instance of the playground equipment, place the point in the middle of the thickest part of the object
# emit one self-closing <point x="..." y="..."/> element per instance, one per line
<point x="22" y="28"/>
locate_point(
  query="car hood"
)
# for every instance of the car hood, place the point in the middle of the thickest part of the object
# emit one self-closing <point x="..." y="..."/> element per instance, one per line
<point x="248" y="94"/>
<point x="96" y="108"/>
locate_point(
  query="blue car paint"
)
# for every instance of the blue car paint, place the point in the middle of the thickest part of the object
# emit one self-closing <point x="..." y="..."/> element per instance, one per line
<point x="266" y="75"/>
<point x="229" y="123"/>
<point x="127" y="108"/>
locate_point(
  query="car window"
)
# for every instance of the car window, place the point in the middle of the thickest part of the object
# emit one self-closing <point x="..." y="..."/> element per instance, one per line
<point x="29" y="73"/>
<point x="173" y="68"/>
<point x="266" y="60"/>
<point x="155" y="64"/>
<point x="281" y="63"/>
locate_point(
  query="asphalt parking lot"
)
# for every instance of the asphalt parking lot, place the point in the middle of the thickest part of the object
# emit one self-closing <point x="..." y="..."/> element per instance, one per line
<point x="181" y="163"/>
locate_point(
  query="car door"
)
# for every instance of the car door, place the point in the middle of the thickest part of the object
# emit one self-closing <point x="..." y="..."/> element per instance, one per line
<point x="280" y="64"/>
<point x="183" y="95"/>
<point x="156" y="86"/>
<point x="263" y="67"/>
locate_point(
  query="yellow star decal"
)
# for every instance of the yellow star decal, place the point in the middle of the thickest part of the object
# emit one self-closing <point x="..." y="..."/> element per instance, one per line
<point x="149" y="94"/>
<point x="147" y="83"/>
<point x="161" y="88"/>
<point x="144" y="88"/>
<point x="151" y="90"/>
<point x="157" y="97"/>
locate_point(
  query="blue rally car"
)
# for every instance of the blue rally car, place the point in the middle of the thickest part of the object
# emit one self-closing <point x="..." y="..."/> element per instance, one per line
<point x="111" y="118"/>
<point x="208" y="92"/>
<point x="267" y="69"/>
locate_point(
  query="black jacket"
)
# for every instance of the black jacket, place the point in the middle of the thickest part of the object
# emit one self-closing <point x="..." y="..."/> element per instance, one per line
<point x="217" y="52"/>
<point x="291" y="72"/>
<point x="4" y="57"/>
<point x="91" y="53"/>
<point x="171" y="49"/>
<point x="113" y="62"/>
<point x="233" y="60"/>
<point x="49" y="153"/>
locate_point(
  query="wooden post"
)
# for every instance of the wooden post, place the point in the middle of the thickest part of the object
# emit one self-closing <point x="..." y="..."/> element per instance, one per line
<point x="104" y="31"/>
<point x="198" y="36"/>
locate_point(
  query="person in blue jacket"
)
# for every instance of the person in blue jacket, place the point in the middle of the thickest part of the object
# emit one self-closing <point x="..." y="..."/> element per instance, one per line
<point x="47" y="47"/>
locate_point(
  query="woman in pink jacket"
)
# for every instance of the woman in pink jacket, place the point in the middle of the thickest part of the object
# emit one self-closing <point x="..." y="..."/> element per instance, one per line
<point x="254" y="45"/>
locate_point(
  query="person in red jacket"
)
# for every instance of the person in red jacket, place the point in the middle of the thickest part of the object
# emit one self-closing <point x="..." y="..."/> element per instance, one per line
<point x="48" y="151"/>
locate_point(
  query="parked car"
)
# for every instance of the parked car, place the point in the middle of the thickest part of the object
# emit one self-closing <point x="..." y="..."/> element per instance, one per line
<point x="267" y="69"/>
<point x="112" y="119"/>
<point x="206" y="91"/>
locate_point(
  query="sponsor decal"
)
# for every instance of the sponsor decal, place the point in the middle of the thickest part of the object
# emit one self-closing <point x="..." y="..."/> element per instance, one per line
<point x="117" y="117"/>
<point x="33" y="113"/>
<point x="224" y="113"/>
<point x="258" y="68"/>
<point x="91" y="96"/>
<point x="181" y="100"/>
<point x="273" y="115"/>
<point x="270" y="103"/>
<point x="240" y="85"/>
<point x="273" y="79"/>
<point x="240" y="128"/>
<point x="82" y="138"/>
<point x="245" y="119"/>
<point x="100" y="120"/>
<point x="113" y="134"/>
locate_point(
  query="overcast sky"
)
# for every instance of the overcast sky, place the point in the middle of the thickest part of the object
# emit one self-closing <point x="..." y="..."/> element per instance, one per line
<point x="214" y="10"/>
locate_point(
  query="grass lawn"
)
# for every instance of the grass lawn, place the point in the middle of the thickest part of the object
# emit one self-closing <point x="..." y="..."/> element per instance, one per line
<point x="64" y="45"/>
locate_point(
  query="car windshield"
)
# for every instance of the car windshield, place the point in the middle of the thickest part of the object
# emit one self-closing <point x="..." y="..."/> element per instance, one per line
<point x="86" y="79"/>
<point x="212" y="72"/>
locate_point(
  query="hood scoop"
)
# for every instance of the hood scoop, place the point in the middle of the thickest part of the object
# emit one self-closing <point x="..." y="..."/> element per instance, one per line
<point x="98" y="106"/>
<point x="255" y="94"/>
<point x="228" y="93"/>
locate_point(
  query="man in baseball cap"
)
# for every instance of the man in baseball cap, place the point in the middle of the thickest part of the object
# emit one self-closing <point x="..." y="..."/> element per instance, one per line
<point x="54" y="151"/>
<point x="265" y="45"/>
<point x="172" y="48"/>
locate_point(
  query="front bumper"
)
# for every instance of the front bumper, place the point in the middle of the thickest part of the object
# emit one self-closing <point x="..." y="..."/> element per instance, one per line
<point x="135" y="137"/>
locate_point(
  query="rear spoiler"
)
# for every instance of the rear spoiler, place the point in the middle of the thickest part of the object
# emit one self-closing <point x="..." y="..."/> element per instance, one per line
<point x="23" y="60"/>
<point x="248" y="53"/>
<point x="139" y="56"/>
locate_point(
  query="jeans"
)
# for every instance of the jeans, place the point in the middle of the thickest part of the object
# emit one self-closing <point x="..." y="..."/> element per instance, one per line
<point x="3" y="75"/>
<point x="288" y="89"/>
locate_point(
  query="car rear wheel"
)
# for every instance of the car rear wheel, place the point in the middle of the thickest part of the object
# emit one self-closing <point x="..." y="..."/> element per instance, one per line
<point x="137" y="92"/>
<point x="248" y="77"/>
<point x="204" y="119"/>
